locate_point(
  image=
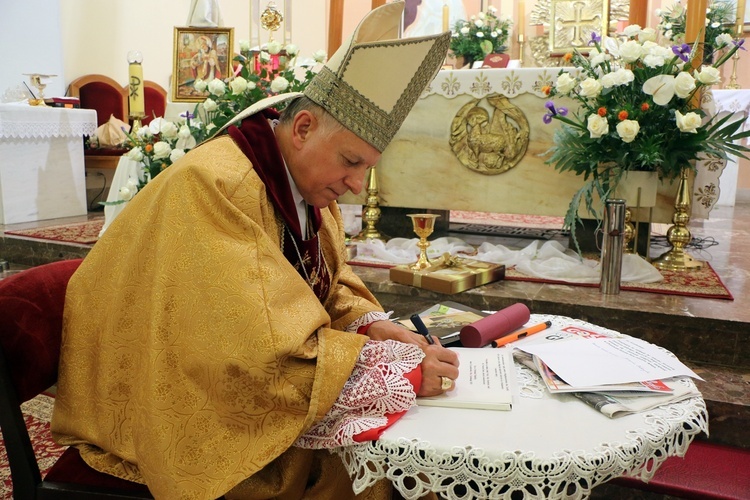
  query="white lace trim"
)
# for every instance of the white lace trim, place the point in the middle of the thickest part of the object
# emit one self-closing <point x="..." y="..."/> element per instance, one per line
<point x="416" y="468"/>
<point x="367" y="318"/>
<point x="25" y="122"/>
<point x="375" y="388"/>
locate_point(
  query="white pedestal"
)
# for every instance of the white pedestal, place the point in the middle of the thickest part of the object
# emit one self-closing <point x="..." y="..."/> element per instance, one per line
<point x="41" y="162"/>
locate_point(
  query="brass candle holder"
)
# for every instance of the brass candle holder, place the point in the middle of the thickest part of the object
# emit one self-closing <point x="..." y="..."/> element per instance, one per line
<point x="371" y="212"/>
<point x="424" y="225"/>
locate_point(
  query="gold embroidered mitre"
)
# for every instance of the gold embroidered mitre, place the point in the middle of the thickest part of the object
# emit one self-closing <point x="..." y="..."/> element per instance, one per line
<point x="372" y="81"/>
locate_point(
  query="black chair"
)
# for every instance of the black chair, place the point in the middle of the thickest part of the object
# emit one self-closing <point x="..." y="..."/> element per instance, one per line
<point x="31" y="307"/>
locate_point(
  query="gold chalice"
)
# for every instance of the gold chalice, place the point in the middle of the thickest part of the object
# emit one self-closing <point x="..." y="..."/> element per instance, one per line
<point x="423" y="224"/>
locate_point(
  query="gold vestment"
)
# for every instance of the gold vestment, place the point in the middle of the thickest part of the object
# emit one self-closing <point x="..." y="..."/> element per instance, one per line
<point x="194" y="354"/>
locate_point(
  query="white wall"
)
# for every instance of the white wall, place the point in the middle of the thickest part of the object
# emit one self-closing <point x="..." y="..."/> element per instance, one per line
<point x="30" y="37"/>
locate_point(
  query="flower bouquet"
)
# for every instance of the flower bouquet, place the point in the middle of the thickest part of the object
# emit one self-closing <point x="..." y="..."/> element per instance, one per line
<point x="720" y="17"/>
<point x="481" y="35"/>
<point x="637" y="110"/>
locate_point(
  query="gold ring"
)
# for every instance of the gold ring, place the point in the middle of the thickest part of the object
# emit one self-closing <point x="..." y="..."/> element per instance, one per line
<point x="445" y="383"/>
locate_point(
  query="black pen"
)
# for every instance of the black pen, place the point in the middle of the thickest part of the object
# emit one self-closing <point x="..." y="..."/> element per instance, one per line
<point x="421" y="329"/>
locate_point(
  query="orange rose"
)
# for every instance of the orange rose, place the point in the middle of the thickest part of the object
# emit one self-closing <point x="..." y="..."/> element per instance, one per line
<point x="601" y="111"/>
<point x="622" y="115"/>
<point x="645" y="106"/>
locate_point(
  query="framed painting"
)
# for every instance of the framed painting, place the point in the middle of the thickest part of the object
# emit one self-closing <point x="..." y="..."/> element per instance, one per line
<point x="200" y="54"/>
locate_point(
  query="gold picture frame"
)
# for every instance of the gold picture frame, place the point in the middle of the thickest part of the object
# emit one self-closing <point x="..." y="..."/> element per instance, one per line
<point x="200" y="53"/>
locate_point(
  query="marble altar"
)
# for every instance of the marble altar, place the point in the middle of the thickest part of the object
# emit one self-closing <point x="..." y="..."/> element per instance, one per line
<point x="425" y="164"/>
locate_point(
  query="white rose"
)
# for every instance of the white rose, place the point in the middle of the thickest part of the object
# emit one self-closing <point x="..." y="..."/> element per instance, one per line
<point x="291" y="49"/>
<point x="493" y="34"/>
<point x="279" y="84"/>
<point x="217" y="87"/>
<point x="565" y="83"/>
<point x="492" y="9"/>
<point x="161" y="150"/>
<point x="715" y="24"/>
<point x="631" y="31"/>
<point x="627" y="130"/>
<point x="319" y="56"/>
<point x="708" y="75"/>
<point x="608" y="80"/>
<point x="684" y="84"/>
<point x="144" y="133"/>
<point x="465" y="30"/>
<point x="200" y="85"/>
<point x="176" y="154"/>
<point x="653" y="61"/>
<point x="273" y="47"/>
<point x="723" y="39"/>
<point x="126" y="194"/>
<point x="481" y="15"/>
<point x="597" y="125"/>
<point x="623" y="76"/>
<point x="251" y="85"/>
<point x="244" y="45"/>
<point x="135" y="154"/>
<point x="168" y="130"/>
<point x="591" y="88"/>
<point x="265" y="57"/>
<point x="210" y="105"/>
<point x="688" y="122"/>
<point x="238" y="85"/>
<point x="478" y="23"/>
<point x="631" y="51"/>
<point x="647" y="35"/>
<point x="480" y="34"/>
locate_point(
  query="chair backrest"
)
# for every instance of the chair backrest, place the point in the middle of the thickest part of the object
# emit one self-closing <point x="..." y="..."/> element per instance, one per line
<point x="155" y="101"/>
<point x="31" y="308"/>
<point x="103" y="94"/>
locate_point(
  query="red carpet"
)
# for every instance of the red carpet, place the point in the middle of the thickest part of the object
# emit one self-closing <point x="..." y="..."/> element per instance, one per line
<point x="79" y="232"/>
<point x="37" y="412"/>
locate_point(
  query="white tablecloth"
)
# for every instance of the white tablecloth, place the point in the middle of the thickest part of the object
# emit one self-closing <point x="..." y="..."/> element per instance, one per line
<point x="41" y="162"/>
<point x="546" y="446"/>
<point x="732" y="101"/>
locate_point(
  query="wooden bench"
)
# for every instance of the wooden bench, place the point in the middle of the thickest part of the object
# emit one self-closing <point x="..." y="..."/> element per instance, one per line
<point x="708" y="471"/>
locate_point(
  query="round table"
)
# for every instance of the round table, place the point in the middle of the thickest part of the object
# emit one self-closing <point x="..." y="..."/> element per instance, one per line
<point x="547" y="446"/>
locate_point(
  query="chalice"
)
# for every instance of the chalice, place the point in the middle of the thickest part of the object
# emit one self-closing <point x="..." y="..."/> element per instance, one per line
<point x="423" y="224"/>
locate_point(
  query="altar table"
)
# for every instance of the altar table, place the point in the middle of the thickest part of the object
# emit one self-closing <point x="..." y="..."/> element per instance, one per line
<point x="41" y="162"/>
<point x="545" y="447"/>
<point x="735" y="101"/>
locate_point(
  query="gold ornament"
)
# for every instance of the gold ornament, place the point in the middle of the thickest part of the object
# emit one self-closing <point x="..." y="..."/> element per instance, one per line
<point x="489" y="141"/>
<point x="271" y="19"/>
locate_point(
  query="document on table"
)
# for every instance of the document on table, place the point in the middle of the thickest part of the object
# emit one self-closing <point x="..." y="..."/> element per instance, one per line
<point x="485" y="381"/>
<point x="598" y="361"/>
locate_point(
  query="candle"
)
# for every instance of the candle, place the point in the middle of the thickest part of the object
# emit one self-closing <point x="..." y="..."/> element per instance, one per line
<point x="521" y="18"/>
<point x="136" y="102"/>
<point x="446" y="17"/>
<point x="740" y="16"/>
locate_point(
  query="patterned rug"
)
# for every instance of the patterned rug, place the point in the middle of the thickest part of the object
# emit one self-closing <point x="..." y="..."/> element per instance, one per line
<point x="704" y="283"/>
<point x="79" y="232"/>
<point x="37" y="413"/>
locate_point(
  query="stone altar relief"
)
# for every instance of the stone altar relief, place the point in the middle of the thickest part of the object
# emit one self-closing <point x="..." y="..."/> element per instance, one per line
<point x="421" y="169"/>
<point x="573" y="21"/>
<point x="489" y="135"/>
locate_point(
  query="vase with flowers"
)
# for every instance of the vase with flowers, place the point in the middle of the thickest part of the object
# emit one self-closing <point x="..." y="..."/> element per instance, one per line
<point x="482" y="34"/>
<point x="636" y="110"/>
<point x="720" y="21"/>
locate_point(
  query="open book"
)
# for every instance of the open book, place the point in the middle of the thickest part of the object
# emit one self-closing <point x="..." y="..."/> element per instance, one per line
<point x="485" y="381"/>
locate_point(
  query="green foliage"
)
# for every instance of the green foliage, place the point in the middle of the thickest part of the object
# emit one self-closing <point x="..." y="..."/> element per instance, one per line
<point x="483" y="34"/>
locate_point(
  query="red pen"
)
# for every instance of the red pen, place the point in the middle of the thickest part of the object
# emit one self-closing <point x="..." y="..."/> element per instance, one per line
<point x="525" y="332"/>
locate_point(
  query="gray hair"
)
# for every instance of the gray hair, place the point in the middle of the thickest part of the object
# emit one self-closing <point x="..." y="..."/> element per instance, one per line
<point x="330" y="124"/>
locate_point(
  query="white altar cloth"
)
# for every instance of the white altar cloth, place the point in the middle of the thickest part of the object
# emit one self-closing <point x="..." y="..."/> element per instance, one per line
<point x="732" y="101"/>
<point x="41" y="162"/>
<point x="546" y="447"/>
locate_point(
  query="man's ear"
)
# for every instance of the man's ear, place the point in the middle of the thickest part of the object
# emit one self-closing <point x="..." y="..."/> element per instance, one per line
<point x="303" y="125"/>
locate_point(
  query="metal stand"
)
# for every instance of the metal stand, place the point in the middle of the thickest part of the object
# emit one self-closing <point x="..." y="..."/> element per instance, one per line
<point x="371" y="212"/>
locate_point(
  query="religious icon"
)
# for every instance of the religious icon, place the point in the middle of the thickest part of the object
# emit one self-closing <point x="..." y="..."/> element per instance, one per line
<point x="199" y="54"/>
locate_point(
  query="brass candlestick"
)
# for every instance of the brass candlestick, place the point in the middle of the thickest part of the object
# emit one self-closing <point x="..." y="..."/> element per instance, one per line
<point x="424" y="225"/>
<point x="371" y="212"/>
<point x="520" y="49"/>
<point x="735" y="61"/>
<point x="679" y="235"/>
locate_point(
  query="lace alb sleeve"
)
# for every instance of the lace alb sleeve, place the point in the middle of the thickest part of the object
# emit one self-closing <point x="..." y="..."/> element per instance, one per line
<point x="366" y="319"/>
<point x="375" y="388"/>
